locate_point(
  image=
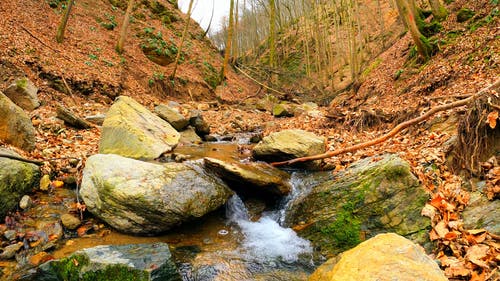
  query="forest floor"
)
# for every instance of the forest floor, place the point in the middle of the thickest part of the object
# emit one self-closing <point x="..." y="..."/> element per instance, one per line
<point x="468" y="61"/>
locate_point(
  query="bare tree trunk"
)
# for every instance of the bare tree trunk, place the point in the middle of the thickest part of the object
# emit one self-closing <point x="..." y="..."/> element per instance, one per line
<point x="211" y="18"/>
<point x="272" y="33"/>
<point x="406" y="13"/>
<point x="123" y="31"/>
<point x="438" y="10"/>
<point x="184" y="33"/>
<point x="62" y="26"/>
<point x="228" y="41"/>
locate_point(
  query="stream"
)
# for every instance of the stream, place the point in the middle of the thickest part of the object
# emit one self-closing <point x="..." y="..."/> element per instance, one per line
<point x="243" y="241"/>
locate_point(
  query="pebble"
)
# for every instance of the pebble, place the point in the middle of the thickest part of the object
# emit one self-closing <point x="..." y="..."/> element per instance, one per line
<point x="25" y="202"/>
<point x="10" y="251"/>
<point x="10" y="235"/>
<point x="45" y="183"/>
<point x="70" y="222"/>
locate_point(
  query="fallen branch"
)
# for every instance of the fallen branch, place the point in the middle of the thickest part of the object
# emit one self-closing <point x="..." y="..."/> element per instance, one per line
<point x="14" y="157"/>
<point x="392" y="132"/>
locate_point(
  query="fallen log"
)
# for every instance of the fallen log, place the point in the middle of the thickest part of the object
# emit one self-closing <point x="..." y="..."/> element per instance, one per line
<point x="393" y="132"/>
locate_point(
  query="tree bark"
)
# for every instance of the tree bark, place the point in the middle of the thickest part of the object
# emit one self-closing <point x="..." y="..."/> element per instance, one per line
<point x="229" y="39"/>
<point x="123" y="31"/>
<point x="438" y="10"/>
<point x="409" y="17"/>
<point x="62" y="26"/>
<point x="183" y="38"/>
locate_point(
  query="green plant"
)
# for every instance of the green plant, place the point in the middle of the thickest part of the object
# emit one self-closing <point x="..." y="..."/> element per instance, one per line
<point x="110" y="24"/>
<point x="93" y="57"/>
<point x="157" y="76"/>
<point x="88" y="63"/>
<point x="397" y="74"/>
<point x="157" y="49"/>
<point x="211" y="75"/>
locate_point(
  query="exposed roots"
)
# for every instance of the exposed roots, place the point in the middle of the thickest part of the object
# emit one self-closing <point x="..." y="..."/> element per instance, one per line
<point x="476" y="140"/>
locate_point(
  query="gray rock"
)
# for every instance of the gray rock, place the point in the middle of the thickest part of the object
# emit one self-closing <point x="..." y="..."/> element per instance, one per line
<point x="10" y="251"/>
<point x="138" y="262"/>
<point x="25" y="202"/>
<point x="97" y="119"/>
<point x="70" y="222"/>
<point x="133" y="131"/>
<point x="172" y="116"/>
<point x="383" y="257"/>
<point x="17" y="178"/>
<point x="24" y="94"/>
<point x="196" y="120"/>
<point x="482" y="213"/>
<point x="15" y="125"/>
<point x="251" y="178"/>
<point x="288" y="144"/>
<point x="10" y="234"/>
<point x="374" y="195"/>
<point x="147" y="198"/>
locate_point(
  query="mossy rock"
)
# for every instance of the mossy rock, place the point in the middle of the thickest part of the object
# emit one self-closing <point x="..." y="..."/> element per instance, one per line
<point x="156" y="48"/>
<point x="140" y="262"/>
<point x="465" y="14"/>
<point x="372" y="196"/>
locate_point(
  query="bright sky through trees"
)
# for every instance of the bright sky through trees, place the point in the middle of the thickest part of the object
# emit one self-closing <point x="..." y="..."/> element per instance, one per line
<point x="202" y="10"/>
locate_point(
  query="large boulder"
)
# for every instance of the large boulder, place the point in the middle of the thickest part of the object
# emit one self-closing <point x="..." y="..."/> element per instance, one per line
<point x="133" y="131"/>
<point x="482" y="213"/>
<point x="17" y="178"/>
<point x="172" y="116"/>
<point x="15" y="125"/>
<point x="383" y="257"/>
<point x="140" y="262"/>
<point x="374" y="195"/>
<point x="23" y="93"/>
<point x="251" y="178"/>
<point x="147" y="198"/>
<point x="288" y="144"/>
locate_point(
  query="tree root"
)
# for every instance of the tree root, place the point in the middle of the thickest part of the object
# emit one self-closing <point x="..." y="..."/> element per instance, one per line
<point x="392" y="132"/>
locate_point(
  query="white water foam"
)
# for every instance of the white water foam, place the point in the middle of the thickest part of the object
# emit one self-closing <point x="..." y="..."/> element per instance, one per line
<point x="265" y="239"/>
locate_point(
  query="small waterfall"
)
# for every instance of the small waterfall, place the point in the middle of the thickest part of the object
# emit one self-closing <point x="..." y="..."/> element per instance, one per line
<point x="265" y="239"/>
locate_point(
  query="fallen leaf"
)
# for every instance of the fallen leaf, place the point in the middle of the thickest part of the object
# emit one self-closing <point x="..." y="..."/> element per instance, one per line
<point x="428" y="211"/>
<point x="441" y="229"/>
<point x="57" y="184"/>
<point x="492" y="119"/>
<point x="476" y="254"/>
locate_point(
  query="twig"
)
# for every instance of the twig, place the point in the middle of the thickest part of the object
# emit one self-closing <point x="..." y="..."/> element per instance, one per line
<point x="497" y="107"/>
<point x="450" y="97"/>
<point x="14" y="157"/>
<point x="255" y="80"/>
<point x="392" y="132"/>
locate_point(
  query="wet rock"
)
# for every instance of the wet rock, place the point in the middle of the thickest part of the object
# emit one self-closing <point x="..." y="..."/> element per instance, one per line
<point x="15" y="125"/>
<point x="10" y="234"/>
<point x="25" y="202"/>
<point x="133" y="131"/>
<point x="482" y="213"/>
<point x="288" y="144"/>
<point x="210" y="138"/>
<point x="45" y="183"/>
<point x="24" y="94"/>
<point x="40" y="258"/>
<point x="139" y="262"/>
<point x="383" y="257"/>
<point x="259" y="179"/>
<point x="147" y="198"/>
<point x="17" y="178"/>
<point x="282" y="110"/>
<point x="189" y="136"/>
<point x="172" y="116"/>
<point x="200" y="125"/>
<point x="70" y="222"/>
<point x="374" y="195"/>
<point x="50" y="228"/>
<point x="10" y="251"/>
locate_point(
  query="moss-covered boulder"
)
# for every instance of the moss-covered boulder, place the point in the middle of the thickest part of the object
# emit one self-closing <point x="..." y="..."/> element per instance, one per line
<point x="133" y="131"/>
<point x="282" y="110"/>
<point x="23" y="93"/>
<point x="465" y="14"/>
<point x="16" y="179"/>
<point x="147" y="198"/>
<point x="137" y="262"/>
<point x="383" y="257"/>
<point x="374" y="195"/>
<point x="288" y="144"/>
<point x="15" y="125"/>
<point x="255" y="179"/>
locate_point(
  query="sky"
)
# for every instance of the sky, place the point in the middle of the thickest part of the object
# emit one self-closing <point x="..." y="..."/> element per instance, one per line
<point x="202" y="10"/>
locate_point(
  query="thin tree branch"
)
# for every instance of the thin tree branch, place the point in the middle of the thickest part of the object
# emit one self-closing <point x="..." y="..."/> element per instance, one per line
<point x="392" y="132"/>
<point x="14" y="157"/>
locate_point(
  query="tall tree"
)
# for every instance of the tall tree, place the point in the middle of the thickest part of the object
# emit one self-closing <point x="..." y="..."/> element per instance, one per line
<point x="62" y="26"/>
<point x="438" y="10"/>
<point x="229" y="39"/>
<point x="183" y="38"/>
<point x="123" y="31"/>
<point x="272" y="33"/>
<point x="409" y="16"/>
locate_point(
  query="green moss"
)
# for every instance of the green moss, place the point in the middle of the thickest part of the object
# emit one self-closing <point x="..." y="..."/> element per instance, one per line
<point x="161" y="12"/>
<point x="371" y="67"/>
<point x="484" y="21"/>
<point x="344" y="231"/>
<point x="22" y="83"/>
<point x="465" y="14"/>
